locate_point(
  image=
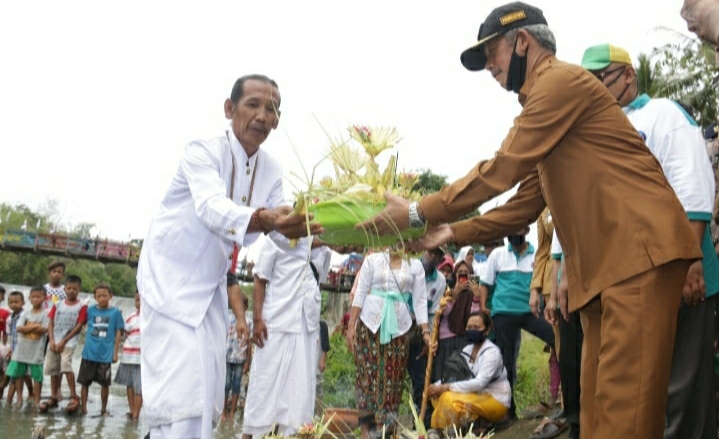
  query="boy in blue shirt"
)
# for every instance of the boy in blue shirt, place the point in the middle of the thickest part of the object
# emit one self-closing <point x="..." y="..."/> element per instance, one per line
<point x="102" y="341"/>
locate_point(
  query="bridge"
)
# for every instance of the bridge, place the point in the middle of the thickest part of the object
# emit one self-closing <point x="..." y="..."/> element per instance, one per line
<point x="52" y="244"/>
<point x="106" y="251"/>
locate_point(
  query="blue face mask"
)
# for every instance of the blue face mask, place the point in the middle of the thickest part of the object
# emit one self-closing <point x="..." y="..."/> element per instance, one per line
<point x="475" y="337"/>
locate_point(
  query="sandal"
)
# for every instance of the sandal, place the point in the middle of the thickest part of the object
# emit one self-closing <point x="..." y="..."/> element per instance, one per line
<point x="541" y="410"/>
<point x="550" y="428"/>
<point x="72" y="406"/>
<point x="49" y="403"/>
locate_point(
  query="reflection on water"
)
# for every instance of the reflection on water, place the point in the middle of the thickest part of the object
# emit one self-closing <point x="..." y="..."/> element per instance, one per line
<point x="19" y="423"/>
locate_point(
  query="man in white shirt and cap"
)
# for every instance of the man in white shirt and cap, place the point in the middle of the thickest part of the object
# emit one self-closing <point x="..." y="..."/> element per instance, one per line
<point x="226" y="191"/>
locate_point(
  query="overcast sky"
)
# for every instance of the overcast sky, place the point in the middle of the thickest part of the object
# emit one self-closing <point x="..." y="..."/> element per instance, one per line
<point x="98" y="99"/>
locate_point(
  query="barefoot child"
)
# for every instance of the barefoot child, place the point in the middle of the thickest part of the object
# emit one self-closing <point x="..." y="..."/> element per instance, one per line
<point x="238" y="361"/>
<point x="4" y="348"/>
<point x="16" y="302"/>
<point x="29" y="353"/>
<point x="67" y="317"/>
<point x="128" y="374"/>
<point x="102" y="341"/>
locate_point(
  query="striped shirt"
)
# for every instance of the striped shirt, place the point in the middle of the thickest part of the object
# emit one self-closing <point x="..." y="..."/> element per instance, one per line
<point x="131" y="347"/>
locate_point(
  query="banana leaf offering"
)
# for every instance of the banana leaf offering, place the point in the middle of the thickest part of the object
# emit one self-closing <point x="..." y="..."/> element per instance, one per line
<point x="355" y="193"/>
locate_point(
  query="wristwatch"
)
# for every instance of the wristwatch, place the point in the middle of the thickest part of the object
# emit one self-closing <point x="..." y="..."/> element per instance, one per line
<point x="415" y="221"/>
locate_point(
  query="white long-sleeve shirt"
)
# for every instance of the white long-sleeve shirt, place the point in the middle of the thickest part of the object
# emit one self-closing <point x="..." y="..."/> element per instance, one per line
<point x="188" y="249"/>
<point x="485" y="367"/>
<point x="292" y="291"/>
<point x="376" y="274"/>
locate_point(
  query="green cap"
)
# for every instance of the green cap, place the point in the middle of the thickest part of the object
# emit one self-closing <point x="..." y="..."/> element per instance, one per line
<point x="599" y="57"/>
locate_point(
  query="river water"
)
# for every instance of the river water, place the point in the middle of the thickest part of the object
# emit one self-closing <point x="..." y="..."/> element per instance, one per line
<point x="19" y="423"/>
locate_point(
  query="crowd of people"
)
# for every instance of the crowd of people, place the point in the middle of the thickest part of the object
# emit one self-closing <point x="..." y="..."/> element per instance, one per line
<point x="43" y="339"/>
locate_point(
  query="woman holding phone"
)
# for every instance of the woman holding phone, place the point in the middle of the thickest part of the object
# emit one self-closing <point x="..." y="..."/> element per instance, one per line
<point x="464" y="301"/>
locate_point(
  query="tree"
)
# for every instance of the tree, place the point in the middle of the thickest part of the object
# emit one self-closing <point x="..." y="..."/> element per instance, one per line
<point x="31" y="268"/>
<point x="429" y="182"/>
<point x="685" y="70"/>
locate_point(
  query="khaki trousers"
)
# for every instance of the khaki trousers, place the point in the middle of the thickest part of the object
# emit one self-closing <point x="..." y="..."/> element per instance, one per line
<point x="629" y="332"/>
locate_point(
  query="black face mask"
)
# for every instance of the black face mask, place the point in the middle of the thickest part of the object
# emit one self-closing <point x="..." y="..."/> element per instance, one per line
<point x="517" y="72"/>
<point x="516" y="240"/>
<point x="619" y="98"/>
<point x="451" y="282"/>
<point x="428" y="266"/>
<point x="475" y="337"/>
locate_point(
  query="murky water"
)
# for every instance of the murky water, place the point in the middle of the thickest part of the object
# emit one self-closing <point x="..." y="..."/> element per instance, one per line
<point x="19" y="423"/>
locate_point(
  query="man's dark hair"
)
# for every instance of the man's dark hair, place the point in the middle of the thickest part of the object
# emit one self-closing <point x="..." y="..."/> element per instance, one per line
<point x="38" y="288"/>
<point x="55" y="265"/>
<point x="438" y="252"/>
<point x="101" y="286"/>
<point x="2" y="290"/>
<point x="18" y="294"/>
<point x="239" y="88"/>
<point x="73" y="279"/>
<point x="486" y="319"/>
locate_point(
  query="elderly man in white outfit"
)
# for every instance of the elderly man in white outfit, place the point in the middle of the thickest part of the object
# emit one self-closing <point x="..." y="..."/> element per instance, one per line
<point x="226" y="191"/>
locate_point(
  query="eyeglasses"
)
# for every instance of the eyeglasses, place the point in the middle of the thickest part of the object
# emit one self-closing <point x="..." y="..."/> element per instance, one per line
<point x="603" y="74"/>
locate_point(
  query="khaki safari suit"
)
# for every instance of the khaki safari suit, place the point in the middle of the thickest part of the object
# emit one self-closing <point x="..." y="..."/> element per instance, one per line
<point x="627" y="241"/>
<point x="543" y="263"/>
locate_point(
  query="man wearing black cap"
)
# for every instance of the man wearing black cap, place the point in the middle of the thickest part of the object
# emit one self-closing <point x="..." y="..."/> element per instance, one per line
<point x="627" y="241"/>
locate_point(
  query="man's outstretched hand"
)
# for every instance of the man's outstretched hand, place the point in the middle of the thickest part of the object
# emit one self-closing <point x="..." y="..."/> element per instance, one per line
<point x="435" y="237"/>
<point x="392" y="219"/>
<point x="288" y="223"/>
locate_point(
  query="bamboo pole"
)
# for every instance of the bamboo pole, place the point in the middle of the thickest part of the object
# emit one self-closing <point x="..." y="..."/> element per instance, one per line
<point x="430" y="358"/>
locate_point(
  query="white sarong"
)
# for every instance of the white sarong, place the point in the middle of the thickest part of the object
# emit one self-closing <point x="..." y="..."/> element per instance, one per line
<point x="183" y="371"/>
<point x="282" y="386"/>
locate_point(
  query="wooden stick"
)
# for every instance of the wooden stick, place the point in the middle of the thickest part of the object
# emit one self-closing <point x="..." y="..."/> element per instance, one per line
<point x="430" y="358"/>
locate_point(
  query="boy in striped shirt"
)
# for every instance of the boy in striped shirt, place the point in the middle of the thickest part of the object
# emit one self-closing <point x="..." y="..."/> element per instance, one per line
<point x="128" y="373"/>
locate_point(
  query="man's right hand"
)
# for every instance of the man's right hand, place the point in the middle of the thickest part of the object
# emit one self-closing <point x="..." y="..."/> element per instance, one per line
<point x="534" y="302"/>
<point x="259" y="333"/>
<point x="550" y="309"/>
<point x="436" y="236"/>
<point x="694" y="290"/>
<point x="291" y="225"/>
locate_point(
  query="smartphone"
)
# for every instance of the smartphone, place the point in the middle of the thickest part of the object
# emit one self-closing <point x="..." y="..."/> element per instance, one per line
<point x="475" y="278"/>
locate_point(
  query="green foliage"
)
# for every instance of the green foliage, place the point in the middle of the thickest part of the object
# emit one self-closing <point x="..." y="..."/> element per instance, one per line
<point x="532" y="373"/>
<point x="645" y="77"/>
<point x="339" y="377"/>
<point x="684" y="70"/>
<point x="429" y="182"/>
<point x="31" y="269"/>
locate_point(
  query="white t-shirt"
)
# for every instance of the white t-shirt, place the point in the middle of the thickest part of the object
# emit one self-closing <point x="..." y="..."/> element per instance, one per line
<point x="678" y="144"/>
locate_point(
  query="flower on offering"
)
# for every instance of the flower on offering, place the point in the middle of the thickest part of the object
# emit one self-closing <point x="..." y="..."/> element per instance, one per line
<point x="356" y="193"/>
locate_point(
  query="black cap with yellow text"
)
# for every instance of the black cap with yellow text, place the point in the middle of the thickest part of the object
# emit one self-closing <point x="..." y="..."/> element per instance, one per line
<point x="498" y="22"/>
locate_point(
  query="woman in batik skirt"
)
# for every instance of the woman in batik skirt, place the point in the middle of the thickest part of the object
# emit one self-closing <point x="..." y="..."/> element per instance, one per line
<point x="391" y="290"/>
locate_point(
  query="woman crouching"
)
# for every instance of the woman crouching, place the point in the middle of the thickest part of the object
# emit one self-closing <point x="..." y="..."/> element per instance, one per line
<point x="479" y="392"/>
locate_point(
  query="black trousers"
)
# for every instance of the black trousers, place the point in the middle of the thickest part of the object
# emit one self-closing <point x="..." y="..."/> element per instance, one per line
<point x="417" y="369"/>
<point x="570" y="366"/>
<point x="507" y="328"/>
<point x="691" y="403"/>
